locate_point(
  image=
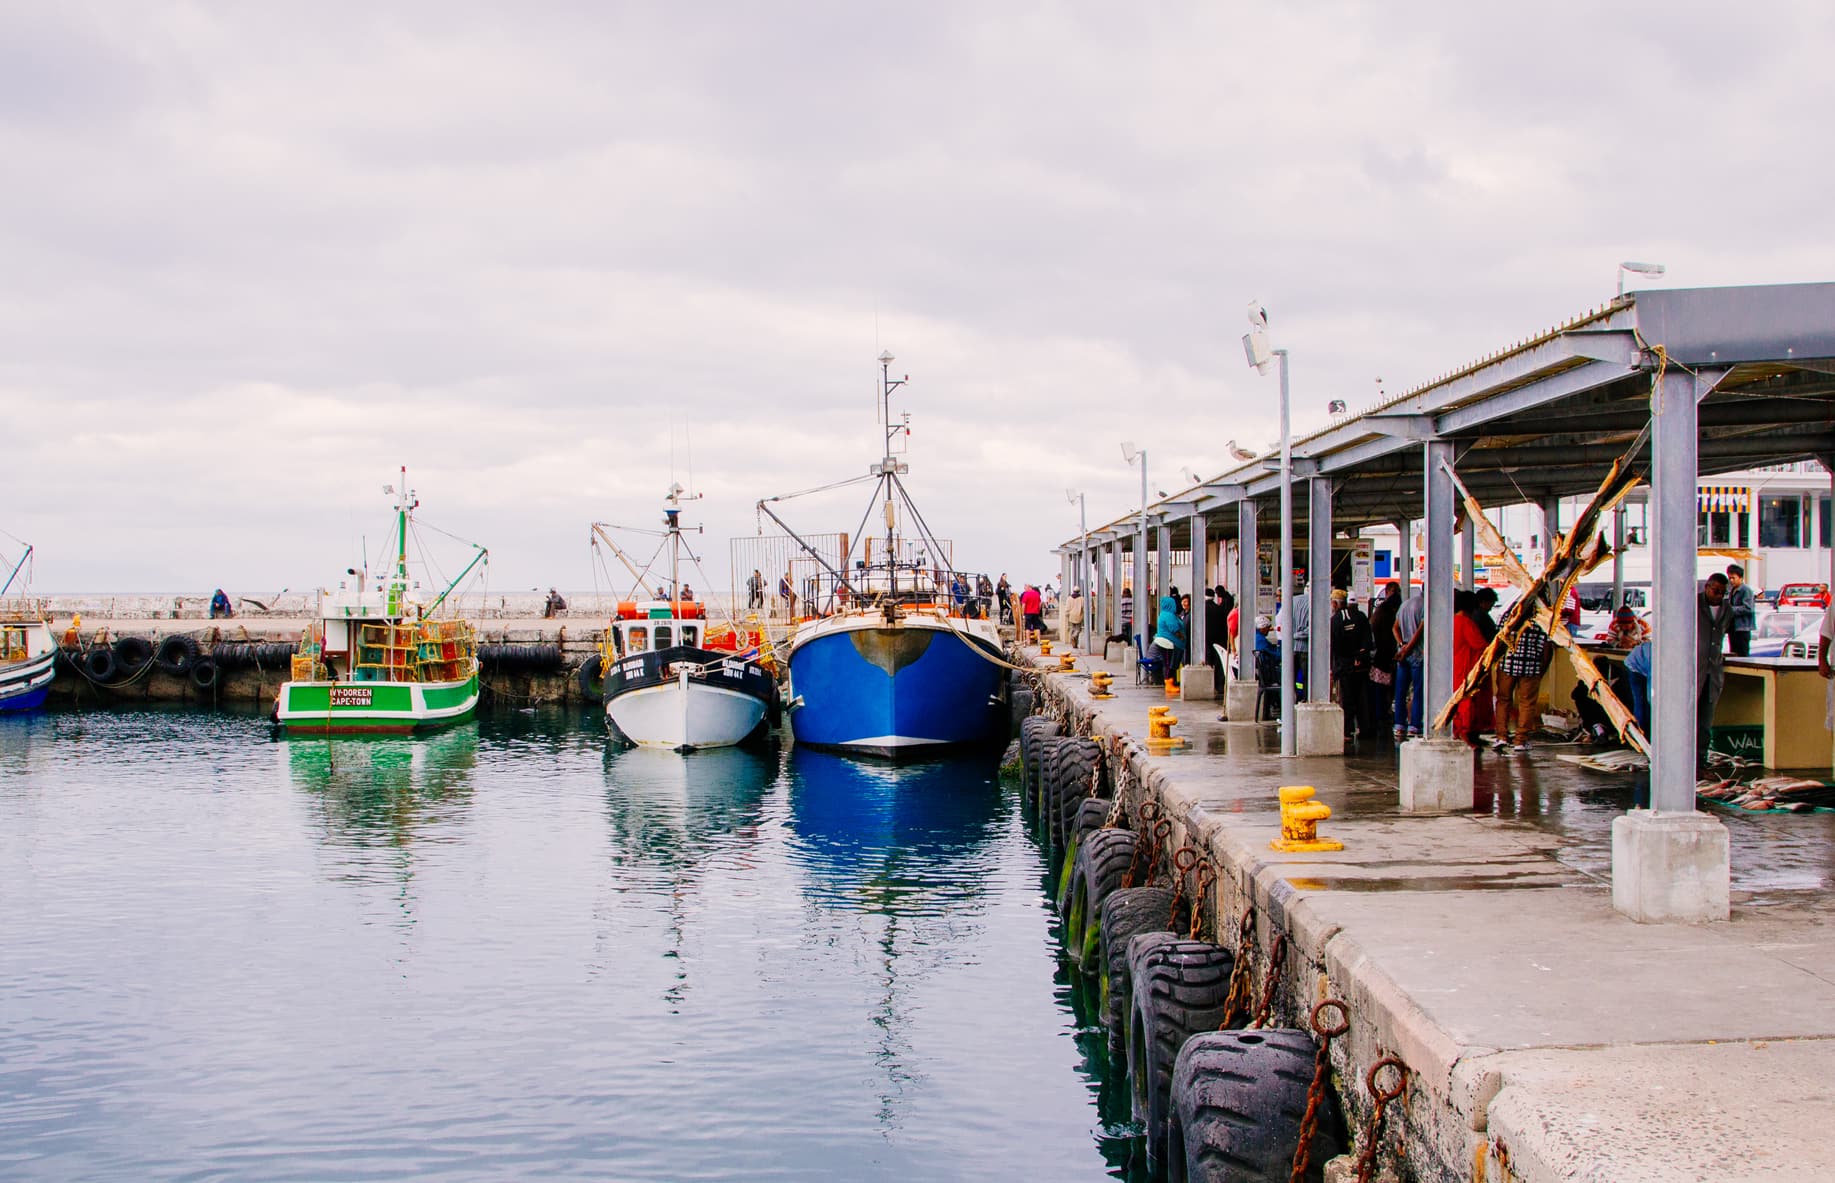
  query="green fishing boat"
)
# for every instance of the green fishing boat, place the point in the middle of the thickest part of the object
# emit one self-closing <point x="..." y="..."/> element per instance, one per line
<point x="376" y="660"/>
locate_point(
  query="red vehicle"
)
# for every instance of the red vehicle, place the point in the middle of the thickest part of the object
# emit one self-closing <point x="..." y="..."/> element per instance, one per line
<point x="1803" y="595"/>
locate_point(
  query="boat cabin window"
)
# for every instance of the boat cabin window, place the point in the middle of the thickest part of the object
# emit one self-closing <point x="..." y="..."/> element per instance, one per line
<point x="688" y="635"/>
<point x="664" y="636"/>
<point x="12" y="644"/>
<point x="637" y="638"/>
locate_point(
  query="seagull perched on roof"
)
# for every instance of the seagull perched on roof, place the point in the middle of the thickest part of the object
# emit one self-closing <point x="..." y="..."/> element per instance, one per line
<point x="1238" y="452"/>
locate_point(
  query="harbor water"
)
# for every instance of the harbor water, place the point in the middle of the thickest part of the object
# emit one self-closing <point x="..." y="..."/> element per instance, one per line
<point x="511" y="951"/>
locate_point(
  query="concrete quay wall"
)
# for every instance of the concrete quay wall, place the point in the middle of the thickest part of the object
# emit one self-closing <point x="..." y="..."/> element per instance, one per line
<point x="579" y="638"/>
<point x="1548" y="1036"/>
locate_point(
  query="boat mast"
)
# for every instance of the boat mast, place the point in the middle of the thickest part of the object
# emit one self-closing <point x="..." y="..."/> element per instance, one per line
<point x="672" y="518"/>
<point x="403" y="504"/>
<point x="888" y="467"/>
<point x="17" y="567"/>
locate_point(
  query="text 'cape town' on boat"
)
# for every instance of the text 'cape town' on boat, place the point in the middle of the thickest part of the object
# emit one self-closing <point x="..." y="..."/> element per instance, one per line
<point x="896" y="656"/>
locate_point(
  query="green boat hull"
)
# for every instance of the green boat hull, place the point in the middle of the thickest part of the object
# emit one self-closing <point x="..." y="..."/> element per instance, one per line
<point x="374" y="708"/>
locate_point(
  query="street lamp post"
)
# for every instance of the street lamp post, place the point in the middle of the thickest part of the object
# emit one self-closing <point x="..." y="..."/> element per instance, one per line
<point x="1255" y="346"/>
<point x="1651" y="269"/>
<point x="1083" y="553"/>
<point x="1130" y="453"/>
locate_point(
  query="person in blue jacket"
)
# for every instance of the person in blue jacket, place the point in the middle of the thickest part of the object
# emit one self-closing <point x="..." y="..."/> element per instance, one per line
<point x="1169" y="637"/>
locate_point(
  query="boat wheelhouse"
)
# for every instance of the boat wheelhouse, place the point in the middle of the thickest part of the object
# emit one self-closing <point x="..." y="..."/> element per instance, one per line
<point x="28" y="650"/>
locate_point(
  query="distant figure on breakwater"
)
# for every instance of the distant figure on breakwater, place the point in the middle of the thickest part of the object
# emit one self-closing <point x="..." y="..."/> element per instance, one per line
<point x="554" y="605"/>
<point x="755" y="590"/>
<point x="219" y="605"/>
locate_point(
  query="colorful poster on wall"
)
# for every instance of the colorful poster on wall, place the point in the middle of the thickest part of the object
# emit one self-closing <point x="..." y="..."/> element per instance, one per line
<point x="1363" y="570"/>
<point x="1264" y="578"/>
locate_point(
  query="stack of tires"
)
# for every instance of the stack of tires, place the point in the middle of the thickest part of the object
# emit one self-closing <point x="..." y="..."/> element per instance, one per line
<point x="1215" y="1104"/>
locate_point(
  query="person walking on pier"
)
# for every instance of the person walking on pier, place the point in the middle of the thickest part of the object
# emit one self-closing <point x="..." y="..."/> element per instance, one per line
<point x="1410" y="621"/>
<point x="1072" y="617"/>
<point x="1351" y="642"/>
<point x="1713" y="620"/>
<point x="1744" y="606"/>
<point x="1031" y="606"/>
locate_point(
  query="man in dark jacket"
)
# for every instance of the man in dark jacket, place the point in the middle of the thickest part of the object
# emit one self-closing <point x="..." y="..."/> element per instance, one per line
<point x="1216" y="629"/>
<point x="1713" y="620"/>
<point x="1351" y="662"/>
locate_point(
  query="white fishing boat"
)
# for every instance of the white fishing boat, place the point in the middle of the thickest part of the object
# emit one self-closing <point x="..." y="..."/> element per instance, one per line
<point x="675" y="680"/>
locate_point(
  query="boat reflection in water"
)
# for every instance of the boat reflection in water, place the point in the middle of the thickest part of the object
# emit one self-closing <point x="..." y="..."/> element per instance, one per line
<point x="377" y="791"/>
<point x="670" y="811"/>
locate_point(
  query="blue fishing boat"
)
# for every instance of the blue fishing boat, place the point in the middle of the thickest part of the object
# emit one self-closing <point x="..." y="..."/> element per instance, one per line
<point x="894" y="655"/>
<point x="28" y="650"/>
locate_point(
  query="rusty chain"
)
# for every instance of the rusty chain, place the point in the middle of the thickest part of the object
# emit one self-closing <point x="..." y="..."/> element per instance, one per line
<point x="1118" y="812"/>
<point x="1206" y="876"/>
<point x="1144" y="818"/>
<point x="1162" y="830"/>
<point x="1183" y="860"/>
<point x="1276" y="955"/>
<point x="1315" y="1093"/>
<point x="1366" y="1159"/>
<point x="1236" y="1002"/>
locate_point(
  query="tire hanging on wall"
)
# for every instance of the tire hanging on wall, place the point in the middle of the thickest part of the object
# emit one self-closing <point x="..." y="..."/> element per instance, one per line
<point x="1238" y="1098"/>
<point x="176" y="655"/>
<point x="99" y="664"/>
<point x="204" y="674"/>
<point x="133" y="654"/>
<point x="1179" y="990"/>
<point x="1102" y="861"/>
<point x="1092" y="812"/>
<point x="1031" y="731"/>
<point x="1126" y="914"/>
<point x="591" y="678"/>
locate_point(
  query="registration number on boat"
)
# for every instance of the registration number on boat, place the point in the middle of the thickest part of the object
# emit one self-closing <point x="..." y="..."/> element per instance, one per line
<point x="350" y="696"/>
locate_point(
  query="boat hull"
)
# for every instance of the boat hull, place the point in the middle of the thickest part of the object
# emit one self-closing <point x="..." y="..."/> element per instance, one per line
<point x="685" y="698"/>
<point x="374" y="708"/>
<point x="24" y="687"/>
<point x="909" y="690"/>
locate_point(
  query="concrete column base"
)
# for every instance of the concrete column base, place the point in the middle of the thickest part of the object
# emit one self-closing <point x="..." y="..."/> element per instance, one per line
<point x="1670" y="868"/>
<point x="1198" y="683"/>
<point x="1239" y="701"/>
<point x="1318" y="729"/>
<point x="1436" y="776"/>
<point x="1116" y="651"/>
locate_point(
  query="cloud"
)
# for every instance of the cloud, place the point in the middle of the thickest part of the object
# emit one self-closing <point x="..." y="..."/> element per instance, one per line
<point x="254" y="260"/>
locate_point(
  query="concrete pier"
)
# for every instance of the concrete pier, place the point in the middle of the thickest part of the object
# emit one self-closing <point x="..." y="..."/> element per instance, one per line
<point x="1549" y="1035"/>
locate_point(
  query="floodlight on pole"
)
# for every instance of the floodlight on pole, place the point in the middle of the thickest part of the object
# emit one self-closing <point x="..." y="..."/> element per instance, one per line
<point x="1260" y="353"/>
<point x="1083" y="551"/>
<point x="1131" y="453"/>
<point x="1650" y="269"/>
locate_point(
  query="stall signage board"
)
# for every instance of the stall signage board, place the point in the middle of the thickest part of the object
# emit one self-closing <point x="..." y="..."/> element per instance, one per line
<point x="1264" y="578"/>
<point x="1363" y="570"/>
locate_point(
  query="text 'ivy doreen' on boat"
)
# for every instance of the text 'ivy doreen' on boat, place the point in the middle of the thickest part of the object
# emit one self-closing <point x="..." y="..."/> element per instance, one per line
<point x="893" y="654"/>
<point x="378" y="659"/>
<point x="28" y="651"/>
<point x="674" y="679"/>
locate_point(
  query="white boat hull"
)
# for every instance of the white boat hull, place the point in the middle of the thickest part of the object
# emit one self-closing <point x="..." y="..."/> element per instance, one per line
<point x="684" y="714"/>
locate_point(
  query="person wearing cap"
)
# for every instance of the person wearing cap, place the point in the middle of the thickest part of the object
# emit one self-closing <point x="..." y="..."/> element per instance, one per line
<point x="1626" y="631"/>
<point x="1072" y="617"/>
<point x="1351" y="663"/>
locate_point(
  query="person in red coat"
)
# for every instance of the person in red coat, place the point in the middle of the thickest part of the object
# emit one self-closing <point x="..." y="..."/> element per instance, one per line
<point x="1474" y="716"/>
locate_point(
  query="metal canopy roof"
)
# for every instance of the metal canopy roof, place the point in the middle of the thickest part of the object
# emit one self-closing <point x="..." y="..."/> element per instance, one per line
<point x="1547" y="416"/>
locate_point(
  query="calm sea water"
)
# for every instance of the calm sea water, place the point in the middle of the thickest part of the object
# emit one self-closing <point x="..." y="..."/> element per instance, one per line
<point x="508" y="951"/>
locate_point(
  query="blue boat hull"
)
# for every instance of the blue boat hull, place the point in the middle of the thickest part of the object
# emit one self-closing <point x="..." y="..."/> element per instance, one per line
<point x="893" y="692"/>
<point x="25" y="688"/>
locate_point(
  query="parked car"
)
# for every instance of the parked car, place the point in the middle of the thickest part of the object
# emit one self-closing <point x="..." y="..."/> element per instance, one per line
<point x="1803" y="595"/>
<point x="1767" y="598"/>
<point x="1805" y="643"/>
<point x="1777" y="629"/>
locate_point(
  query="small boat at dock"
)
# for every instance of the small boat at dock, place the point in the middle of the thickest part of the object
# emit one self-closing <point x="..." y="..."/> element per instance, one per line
<point x="28" y="650"/>
<point x="673" y="679"/>
<point x="377" y="660"/>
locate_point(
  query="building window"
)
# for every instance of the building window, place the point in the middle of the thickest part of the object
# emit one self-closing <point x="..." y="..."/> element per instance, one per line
<point x="1781" y="521"/>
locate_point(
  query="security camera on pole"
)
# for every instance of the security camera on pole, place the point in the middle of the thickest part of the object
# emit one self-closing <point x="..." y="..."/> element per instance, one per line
<point x="1255" y="345"/>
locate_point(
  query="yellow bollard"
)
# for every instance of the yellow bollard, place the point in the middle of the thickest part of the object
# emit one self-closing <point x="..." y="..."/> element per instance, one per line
<point x="1160" y="722"/>
<point x="1067" y="662"/>
<point x="1045" y="646"/>
<point x="1300" y="818"/>
<point x="1100" y="683"/>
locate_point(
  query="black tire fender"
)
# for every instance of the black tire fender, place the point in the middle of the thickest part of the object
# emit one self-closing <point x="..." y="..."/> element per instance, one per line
<point x="204" y="674"/>
<point x="591" y="678"/>
<point x="1124" y="915"/>
<point x="1179" y="989"/>
<point x="133" y="654"/>
<point x="175" y="654"/>
<point x="1238" y="1098"/>
<point x="99" y="664"/>
<point x="1103" y="858"/>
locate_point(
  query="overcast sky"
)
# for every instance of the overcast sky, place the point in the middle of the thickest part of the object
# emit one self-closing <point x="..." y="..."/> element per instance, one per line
<point x="254" y="257"/>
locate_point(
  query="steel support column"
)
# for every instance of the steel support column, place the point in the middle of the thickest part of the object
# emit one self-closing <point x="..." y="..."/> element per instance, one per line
<point x="1673" y="443"/>
<point x="1438" y="656"/>
<point x="1248" y="581"/>
<point x="1618" y="558"/>
<point x="1404" y="556"/>
<point x="1200" y="594"/>
<point x="1468" y="557"/>
<point x="1115" y="586"/>
<point x="1162" y="564"/>
<point x="1319" y="580"/>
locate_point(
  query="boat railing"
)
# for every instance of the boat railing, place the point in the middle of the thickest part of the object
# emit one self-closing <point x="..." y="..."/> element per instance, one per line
<point x="909" y="587"/>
